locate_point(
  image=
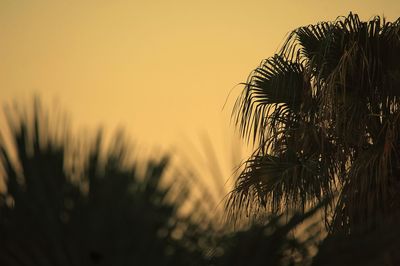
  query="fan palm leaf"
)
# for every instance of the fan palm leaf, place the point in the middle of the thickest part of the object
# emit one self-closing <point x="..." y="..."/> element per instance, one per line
<point x="71" y="205"/>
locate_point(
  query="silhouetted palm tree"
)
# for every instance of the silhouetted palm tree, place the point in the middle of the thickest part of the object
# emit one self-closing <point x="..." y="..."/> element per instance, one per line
<point x="324" y="115"/>
<point x="69" y="204"/>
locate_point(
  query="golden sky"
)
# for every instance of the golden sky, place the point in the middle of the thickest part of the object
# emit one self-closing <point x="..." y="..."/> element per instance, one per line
<point x="161" y="69"/>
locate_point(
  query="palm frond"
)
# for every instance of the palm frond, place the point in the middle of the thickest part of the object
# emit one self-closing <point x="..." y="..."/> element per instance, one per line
<point x="271" y="95"/>
<point x="64" y="206"/>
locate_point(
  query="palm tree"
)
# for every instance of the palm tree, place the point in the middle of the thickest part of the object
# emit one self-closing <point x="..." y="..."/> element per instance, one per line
<point x="324" y="117"/>
<point x="73" y="204"/>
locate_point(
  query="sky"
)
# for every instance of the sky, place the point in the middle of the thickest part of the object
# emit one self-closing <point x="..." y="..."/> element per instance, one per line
<point x="160" y="69"/>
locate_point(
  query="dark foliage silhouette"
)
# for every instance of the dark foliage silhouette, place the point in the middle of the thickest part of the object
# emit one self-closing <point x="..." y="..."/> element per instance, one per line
<point x="324" y="115"/>
<point x="65" y="207"/>
<point x="271" y="243"/>
<point x="378" y="247"/>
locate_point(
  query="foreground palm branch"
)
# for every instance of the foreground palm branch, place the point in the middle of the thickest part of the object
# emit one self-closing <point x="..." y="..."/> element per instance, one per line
<point x="324" y="116"/>
<point x="70" y="205"/>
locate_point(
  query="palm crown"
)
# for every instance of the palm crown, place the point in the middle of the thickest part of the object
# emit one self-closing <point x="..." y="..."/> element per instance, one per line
<point x="324" y="116"/>
<point x="91" y="207"/>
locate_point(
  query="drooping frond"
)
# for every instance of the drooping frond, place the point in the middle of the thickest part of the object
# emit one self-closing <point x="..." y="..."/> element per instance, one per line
<point x="271" y="95"/>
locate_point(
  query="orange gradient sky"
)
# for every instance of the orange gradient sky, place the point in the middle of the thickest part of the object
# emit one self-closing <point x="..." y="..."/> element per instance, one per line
<point x="161" y="69"/>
